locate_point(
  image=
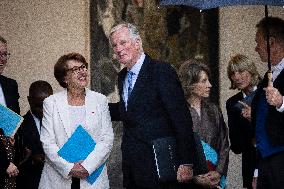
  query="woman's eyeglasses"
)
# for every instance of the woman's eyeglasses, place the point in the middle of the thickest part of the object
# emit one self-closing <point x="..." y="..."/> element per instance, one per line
<point x="78" y="69"/>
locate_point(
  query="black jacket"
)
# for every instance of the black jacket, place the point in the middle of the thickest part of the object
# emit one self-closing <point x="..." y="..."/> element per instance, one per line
<point x="30" y="170"/>
<point x="156" y="108"/>
<point x="241" y="133"/>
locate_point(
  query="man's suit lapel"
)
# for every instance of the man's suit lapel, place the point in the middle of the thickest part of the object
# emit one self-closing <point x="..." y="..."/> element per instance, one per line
<point x="279" y="80"/>
<point x="6" y="90"/>
<point x="141" y="81"/>
<point x="62" y="106"/>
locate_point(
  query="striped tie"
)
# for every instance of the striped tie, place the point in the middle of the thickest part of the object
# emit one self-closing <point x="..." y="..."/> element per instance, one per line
<point x="129" y="80"/>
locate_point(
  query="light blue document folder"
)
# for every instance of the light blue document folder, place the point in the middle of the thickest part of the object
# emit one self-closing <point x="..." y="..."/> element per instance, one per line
<point x="9" y="121"/>
<point x="77" y="148"/>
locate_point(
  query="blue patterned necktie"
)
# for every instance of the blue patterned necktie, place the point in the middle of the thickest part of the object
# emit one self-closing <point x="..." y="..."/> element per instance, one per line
<point x="129" y="80"/>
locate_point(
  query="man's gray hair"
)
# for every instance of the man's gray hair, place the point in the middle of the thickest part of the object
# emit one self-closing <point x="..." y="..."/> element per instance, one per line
<point x="134" y="33"/>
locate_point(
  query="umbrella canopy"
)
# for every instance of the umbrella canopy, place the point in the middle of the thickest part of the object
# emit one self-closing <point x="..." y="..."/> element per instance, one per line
<point x="209" y="4"/>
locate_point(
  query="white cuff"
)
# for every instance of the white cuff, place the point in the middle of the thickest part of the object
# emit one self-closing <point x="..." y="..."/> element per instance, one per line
<point x="255" y="174"/>
<point x="281" y="109"/>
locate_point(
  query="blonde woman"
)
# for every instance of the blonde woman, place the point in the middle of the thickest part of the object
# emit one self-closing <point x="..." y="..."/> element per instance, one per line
<point x="244" y="77"/>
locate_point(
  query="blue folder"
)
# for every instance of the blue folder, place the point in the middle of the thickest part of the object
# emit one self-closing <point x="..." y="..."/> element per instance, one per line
<point x="77" y="148"/>
<point x="9" y="121"/>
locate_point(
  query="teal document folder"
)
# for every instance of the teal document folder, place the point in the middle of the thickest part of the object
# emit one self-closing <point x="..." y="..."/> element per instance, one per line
<point x="77" y="148"/>
<point x="9" y="121"/>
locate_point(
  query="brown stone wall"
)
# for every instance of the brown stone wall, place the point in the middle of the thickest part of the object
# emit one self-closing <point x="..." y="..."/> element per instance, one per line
<point x="171" y="34"/>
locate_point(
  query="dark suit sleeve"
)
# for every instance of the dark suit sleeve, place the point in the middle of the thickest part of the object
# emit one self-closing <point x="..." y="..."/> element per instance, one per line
<point x="234" y="128"/>
<point x="3" y="159"/>
<point x="114" y="111"/>
<point x="171" y="93"/>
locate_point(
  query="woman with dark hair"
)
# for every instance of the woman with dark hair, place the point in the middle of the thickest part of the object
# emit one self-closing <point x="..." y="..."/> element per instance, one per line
<point x="244" y="77"/>
<point x="8" y="170"/>
<point x="208" y="122"/>
<point x="65" y="112"/>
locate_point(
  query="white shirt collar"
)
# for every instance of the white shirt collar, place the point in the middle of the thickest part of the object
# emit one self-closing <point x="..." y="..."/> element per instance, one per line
<point x="136" y="68"/>
<point x="277" y="69"/>
<point x="2" y="97"/>
<point x="37" y="122"/>
<point x="244" y="94"/>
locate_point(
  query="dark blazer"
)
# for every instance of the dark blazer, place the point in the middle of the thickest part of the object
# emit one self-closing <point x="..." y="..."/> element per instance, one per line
<point x="274" y="120"/>
<point x="4" y="164"/>
<point x="30" y="170"/>
<point x="156" y="108"/>
<point x="11" y="94"/>
<point x="241" y="134"/>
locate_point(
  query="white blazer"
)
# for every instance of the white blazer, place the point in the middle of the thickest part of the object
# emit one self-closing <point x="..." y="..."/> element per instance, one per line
<point x="56" y="130"/>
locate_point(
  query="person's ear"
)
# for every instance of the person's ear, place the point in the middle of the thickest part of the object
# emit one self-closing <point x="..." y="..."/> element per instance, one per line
<point x="138" y="43"/>
<point x="29" y="99"/>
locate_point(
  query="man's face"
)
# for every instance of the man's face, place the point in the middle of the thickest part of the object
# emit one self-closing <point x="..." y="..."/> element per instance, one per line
<point x="3" y="56"/>
<point x="36" y="103"/>
<point x="261" y="47"/>
<point x="125" y="48"/>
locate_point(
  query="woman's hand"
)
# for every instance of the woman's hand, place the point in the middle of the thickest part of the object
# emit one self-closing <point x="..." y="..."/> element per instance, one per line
<point x="12" y="170"/>
<point x="203" y="181"/>
<point x="214" y="178"/>
<point x="246" y="111"/>
<point x="79" y="171"/>
<point x="208" y="180"/>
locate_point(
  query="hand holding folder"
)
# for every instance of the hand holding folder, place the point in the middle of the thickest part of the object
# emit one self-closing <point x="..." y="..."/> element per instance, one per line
<point x="77" y="148"/>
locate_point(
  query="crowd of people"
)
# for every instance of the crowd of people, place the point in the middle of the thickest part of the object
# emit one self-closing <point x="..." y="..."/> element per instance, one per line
<point x="157" y="103"/>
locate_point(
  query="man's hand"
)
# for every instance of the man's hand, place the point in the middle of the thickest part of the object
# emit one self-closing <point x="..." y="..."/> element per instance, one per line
<point x="254" y="182"/>
<point x="184" y="173"/>
<point x="273" y="97"/>
<point x="78" y="171"/>
<point x="12" y="170"/>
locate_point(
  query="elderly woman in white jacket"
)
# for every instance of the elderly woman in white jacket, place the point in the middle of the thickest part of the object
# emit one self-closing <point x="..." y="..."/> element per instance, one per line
<point x="63" y="112"/>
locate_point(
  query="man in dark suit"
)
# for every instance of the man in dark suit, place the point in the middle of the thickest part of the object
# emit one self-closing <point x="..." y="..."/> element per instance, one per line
<point x="268" y="107"/>
<point x="32" y="165"/>
<point x="9" y="94"/>
<point x="152" y="105"/>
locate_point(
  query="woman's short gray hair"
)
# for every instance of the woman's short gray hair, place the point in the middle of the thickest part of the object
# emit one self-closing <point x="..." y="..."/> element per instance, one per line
<point x="240" y="63"/>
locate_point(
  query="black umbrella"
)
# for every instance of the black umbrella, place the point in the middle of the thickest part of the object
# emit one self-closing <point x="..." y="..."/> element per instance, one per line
<point x="209" y="4"/>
